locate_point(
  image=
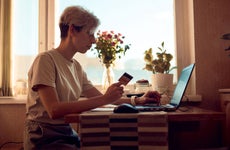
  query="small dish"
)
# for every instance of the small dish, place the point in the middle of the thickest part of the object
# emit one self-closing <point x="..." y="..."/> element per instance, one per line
<point x="135" y="94"/>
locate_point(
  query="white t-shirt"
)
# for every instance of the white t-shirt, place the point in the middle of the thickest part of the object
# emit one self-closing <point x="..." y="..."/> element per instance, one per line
<point x="52" y="69"/>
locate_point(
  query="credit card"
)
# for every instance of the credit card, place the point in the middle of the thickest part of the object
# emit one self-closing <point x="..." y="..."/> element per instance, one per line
<point x="125" y="78"/>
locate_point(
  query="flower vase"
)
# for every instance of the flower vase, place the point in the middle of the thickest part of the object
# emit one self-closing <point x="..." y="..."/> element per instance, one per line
<point x="108" y="77"/>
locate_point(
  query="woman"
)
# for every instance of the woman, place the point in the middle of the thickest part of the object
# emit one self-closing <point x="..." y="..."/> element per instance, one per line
<point x="56" y="81"/>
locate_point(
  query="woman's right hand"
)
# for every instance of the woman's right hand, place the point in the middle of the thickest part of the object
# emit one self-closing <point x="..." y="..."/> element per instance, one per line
<point x="149" y="97"/>
<point x="114" y="92"/>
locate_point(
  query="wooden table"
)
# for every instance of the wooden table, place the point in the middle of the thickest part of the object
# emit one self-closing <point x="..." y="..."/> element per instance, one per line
<point x="182" y="114"/>
<point x="145" y="130"/>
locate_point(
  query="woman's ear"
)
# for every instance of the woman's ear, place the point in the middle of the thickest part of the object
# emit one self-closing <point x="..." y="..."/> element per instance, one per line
<point x="71" y="30"/>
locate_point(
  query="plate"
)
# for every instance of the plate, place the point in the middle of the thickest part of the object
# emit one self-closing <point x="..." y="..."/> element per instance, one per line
<point x="135" y="94"/>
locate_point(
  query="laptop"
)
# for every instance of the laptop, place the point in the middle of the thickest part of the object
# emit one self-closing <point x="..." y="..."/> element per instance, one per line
<point x="177" y="95"/>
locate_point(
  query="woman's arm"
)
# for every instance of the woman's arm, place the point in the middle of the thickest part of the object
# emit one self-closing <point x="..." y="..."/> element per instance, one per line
<point x="57" y="109"/>
<point x="92" y="92"/>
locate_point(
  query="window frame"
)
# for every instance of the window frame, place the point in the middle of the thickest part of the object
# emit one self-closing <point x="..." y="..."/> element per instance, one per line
<point x="184" y="32"/>
<point x="46" y="25"/>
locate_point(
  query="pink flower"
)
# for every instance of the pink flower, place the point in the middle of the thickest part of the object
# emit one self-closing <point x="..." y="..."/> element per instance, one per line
<point x="109" y="44"/>
<point x="113" y="43"/>
<point x="109" y="36"/>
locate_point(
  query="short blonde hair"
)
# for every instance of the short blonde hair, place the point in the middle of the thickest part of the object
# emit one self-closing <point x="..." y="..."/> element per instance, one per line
<point x="77" y="16"/>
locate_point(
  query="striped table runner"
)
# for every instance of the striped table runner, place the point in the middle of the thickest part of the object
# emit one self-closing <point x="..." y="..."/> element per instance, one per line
<point x="109" y="131"/>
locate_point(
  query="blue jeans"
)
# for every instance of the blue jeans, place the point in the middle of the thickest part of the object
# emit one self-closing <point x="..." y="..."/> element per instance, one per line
<point x="39" y="136"/>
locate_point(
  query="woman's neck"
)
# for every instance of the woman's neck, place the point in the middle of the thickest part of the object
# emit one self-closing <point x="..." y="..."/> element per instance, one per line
<point x="66" y="51"/>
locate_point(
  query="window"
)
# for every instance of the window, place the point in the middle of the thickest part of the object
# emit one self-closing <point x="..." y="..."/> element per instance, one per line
<point x="144" y="24"/>
<point x="25" y="37"/>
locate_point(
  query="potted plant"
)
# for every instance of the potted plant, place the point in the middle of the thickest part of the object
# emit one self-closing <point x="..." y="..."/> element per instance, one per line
<point x="160" y="67"/>
<point x="109" y="46"/>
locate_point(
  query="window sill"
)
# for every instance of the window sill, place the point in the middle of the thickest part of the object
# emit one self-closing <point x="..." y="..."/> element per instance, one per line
<point x="12" y="100"/>
<point x="192" y="98"/>
<point x="22" y="100"/>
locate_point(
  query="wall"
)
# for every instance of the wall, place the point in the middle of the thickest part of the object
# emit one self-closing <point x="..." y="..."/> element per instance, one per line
<point x="211" y="21"/>
<point x="12" y="116"/>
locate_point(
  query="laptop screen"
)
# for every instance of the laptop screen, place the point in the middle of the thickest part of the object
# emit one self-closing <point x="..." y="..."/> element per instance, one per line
<point x="182" y="85"/>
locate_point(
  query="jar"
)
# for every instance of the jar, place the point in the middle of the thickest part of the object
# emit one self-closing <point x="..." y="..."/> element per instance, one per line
<point x="142" y="86"/>
<point x="20" y="88"/>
